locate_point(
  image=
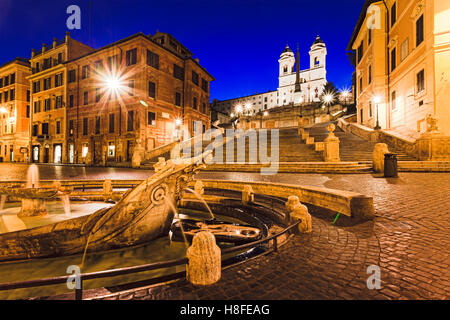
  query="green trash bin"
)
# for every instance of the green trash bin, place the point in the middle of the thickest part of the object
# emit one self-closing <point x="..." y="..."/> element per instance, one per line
<point x="390" y="165"/>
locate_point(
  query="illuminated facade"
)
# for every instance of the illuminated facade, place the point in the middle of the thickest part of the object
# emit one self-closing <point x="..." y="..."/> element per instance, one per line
<point x="48" y="83"/>
<point x="311" y="82"/>
<point x="403" y="64"/>
<point x="14" y="110"/>
<point x="139" y="91"/>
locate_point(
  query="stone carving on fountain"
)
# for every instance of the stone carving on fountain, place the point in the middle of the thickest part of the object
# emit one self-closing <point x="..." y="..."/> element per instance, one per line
<point x="142" y="214"/>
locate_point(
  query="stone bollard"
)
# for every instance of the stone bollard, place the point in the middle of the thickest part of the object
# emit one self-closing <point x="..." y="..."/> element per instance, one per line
<point x="298" y="211"/>
<point x="199" y="187"/>
<point x="248" y="194"/>
<point x="204" y="265"/>
<point x="107" y="188"/>
<point x="331" y="145"/>
<point x="378" y="156"/>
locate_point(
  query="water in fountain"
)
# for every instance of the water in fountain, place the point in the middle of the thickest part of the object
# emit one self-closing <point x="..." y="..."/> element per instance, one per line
<point x="33" y="177"/>
<point x="169" y="202"/>
<point x="66" y="204"/>
<point x="199" y="197"/>
<point x="10" y="223"/>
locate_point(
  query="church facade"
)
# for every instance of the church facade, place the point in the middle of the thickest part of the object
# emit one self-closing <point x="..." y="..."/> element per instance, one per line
<point x="295" y="86"/>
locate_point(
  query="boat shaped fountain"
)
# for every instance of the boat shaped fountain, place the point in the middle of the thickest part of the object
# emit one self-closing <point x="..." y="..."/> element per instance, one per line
<point x="143" y="214"/>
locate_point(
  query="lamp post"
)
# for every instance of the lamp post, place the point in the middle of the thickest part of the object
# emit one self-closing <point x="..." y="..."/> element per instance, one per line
<point x="328" y="98"/>
<point x="345" y="94"/>
<point x="377" y="100"/>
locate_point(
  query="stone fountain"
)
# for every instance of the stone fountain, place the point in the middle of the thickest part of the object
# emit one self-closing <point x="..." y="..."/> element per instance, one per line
<point x="32" y="195"/>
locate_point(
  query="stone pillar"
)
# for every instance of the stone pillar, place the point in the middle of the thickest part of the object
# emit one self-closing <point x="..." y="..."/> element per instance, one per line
<point x="247" y="194"/>
<point x="33" y="208"/>
<point x="378" y="156"/>
<point x="204" y="265"/>
<point x="298" y="211"/>
<point x="331" y="145"/>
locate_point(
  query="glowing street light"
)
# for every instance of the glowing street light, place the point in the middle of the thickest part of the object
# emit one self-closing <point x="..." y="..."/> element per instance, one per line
<point x="265" y="113"/>
<point x="327" y="99"/>
<point x="377" y="100"/>
<point x="238" y="108"/>
<point x="177" y="122"/>
<point x="3" y="110"/>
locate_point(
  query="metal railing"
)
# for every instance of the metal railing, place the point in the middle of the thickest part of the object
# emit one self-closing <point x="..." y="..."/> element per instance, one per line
<point x="135" y="269"/>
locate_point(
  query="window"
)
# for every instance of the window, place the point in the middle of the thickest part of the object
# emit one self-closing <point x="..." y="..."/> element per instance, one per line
<point x="58" y="102"/>
<point x="47" y="104"/>
<point x="151" y="118"/>
<point x="152" y="59"/>
<point x="36" y="86"/>
<point x="370" y="35"/>
<point x="71" y="101"/>
<point x="85" y="72"/>
<point x="131" y="86"/>
<point x="393" y="14"/>
<point x="178" y="99"/>
<point x="58" y="79"/>
<point x="60" y="57"/>
<point x="393" y="59"/>
<point x="419" y="31"/>
<point x="6" y="81"/>
<point x="84" y="150"/>
<point x="35" y="130"/>
<point x="421" y="81"/>
<point x="178" y="72"/>
<point x="85" y="126"/>
<point x="28" y="112"/>
<point x="151" y="89"/>
<point x="47" y="83"/>
<point x="195" y="78"/>
<point x="131" y="57"/>
<point x="97" y="95"/>
<point x="97" y="125"/>
<point x="12" y="94"/>
<point x="370" y="74"/>
<point x="13" y="78"/>
<point x="111" y="123"/>
<point x="205" y="85"/>
<point x="98" y="66"/>
<point x="45" y="128"/>
<point x="130" y="121"/>
<point x="71" y="76"/>
<point x="360" y="51"/>
<point x="58" y="127"/>
<point x="370" y="109"/>
<point x="404" y="49"/>
<point x="37" y="106"/>
<point x="85" y="98"/>
<point x="194" y="103"/>
<point x="393" y="100"/>
<point x="360" y="85"/>
<point x="113" y="62"/>
<point x="204" y="107"/>
<point x="70" y="127"/>
<point x="111" y="149"/>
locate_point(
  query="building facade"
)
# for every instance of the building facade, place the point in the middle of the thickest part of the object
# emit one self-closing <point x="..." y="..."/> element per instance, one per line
<point x="48" y="81"/>
<point x="402" y="62"/>
<point x="138" y="93"/>
<point x="310" y="84"/>
<point x="14" y="110"/>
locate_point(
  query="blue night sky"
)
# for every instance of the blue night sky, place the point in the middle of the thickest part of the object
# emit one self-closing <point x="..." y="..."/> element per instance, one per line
<point x="237" y="41"/>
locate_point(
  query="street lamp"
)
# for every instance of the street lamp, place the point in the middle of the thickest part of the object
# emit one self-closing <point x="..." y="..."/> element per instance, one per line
<point x="377" y="100"/>
<point x="328" y="98"/>
<point x="345" y="94"/>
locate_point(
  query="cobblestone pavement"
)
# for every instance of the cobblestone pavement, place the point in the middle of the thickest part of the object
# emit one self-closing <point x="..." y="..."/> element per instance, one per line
<point x="408" y="240"/>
